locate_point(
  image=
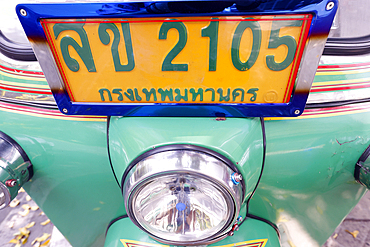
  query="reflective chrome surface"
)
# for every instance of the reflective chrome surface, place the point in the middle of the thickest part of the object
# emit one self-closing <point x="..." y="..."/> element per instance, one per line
<point x="345" y="79"/>
<point x="4" y="196"/>
<point x="14" y="166"/>
<point x="182" y="197"/>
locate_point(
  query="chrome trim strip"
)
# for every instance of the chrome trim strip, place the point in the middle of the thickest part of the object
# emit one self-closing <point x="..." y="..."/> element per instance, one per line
<point x="347" y="46"/>
<point x="47" y="63"/>
<point x="16" y="51"/>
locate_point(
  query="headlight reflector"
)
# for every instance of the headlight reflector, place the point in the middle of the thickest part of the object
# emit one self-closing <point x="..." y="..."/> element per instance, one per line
<point x="182" y="197"/>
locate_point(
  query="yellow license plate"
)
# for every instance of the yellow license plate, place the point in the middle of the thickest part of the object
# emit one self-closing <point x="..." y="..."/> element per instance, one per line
<point x="218" y="59"/>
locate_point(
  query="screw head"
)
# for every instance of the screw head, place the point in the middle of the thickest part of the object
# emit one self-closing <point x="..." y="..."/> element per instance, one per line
<point x="23" y="12"/>
<point x="236" y="228"/>
<point x="11" y="182"/>
<point x="65" y="110"/>
<point x="239" y="219"/>
<point x="236" y="178"/>
<point x="330" y="5"/>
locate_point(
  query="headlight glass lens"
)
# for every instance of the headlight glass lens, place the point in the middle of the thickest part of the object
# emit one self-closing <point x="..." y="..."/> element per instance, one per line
<point x="182" y="207"/>
<point x="182" y="197"/>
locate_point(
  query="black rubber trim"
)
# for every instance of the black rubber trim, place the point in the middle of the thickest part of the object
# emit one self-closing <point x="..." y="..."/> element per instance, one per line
<point x="263" y="161"/>
<point x="21" y="152"/>
<point x="251" y="216"/>
<point x="248" y="215"/>
<point x="16" y="51"/>
<point x="175" y="147"/>
<point x="51" y="106"/>
<point x="335" y="103"/>
<point x="365" y="155"/>
<point x="108" y="150"/>
<point x="114" y="221"/>
<point x="30" y="170"/>
<point x="347" y="46"/>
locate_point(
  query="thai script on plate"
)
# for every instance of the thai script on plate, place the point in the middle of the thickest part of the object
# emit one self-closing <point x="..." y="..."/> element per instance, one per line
<point x="177" y="95"/>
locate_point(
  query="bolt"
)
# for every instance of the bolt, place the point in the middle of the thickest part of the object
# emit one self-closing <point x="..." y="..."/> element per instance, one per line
<point x="220" y="119"/>
<point x="235" y="228"/>
<point x="296" y="112"/>
<point x="239" y="219"/>
<point x="23" y="12"/>
<point x="236" y="178"/>
<point x="65" y="110"/>
<point x="11" y="182"/>
<point x="330" y="6"/>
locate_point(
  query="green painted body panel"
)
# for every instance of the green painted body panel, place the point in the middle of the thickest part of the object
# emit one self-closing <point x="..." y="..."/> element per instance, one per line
<point x="308" y="170"/>
<point x="341" y="77"/>
<point x="73" y="182"/>
<point x="251" y="230"/>
<point x="307" y="186"/>
<point x="240" y="140"/>
<point x="308" y="178"/>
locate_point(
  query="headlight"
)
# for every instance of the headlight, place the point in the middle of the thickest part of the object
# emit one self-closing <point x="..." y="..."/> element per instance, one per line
<point x="182" y="197"/>
<point x="4" y="196"/>
<point x="15" y="169"/>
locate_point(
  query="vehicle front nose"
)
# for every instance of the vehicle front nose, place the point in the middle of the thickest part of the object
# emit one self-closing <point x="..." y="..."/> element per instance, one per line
<point x="186" y="180"/>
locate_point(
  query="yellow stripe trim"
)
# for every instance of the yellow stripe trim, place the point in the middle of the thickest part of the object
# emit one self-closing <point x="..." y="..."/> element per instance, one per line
<point x="332" y="83"/>
<point x="250" y="242"/>
<point x="334" y="114"/>
<point x="24" y="77"/>
<point x="24" y="85"/>
<point x="341" y="71"/>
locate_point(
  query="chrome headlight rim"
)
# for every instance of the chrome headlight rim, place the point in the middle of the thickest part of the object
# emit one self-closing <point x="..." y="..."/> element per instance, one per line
<point x="15" y="169"/>
<point x="132" y="184"/>
<point x="7" y="196"/>
<point x="184" y="147"/>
